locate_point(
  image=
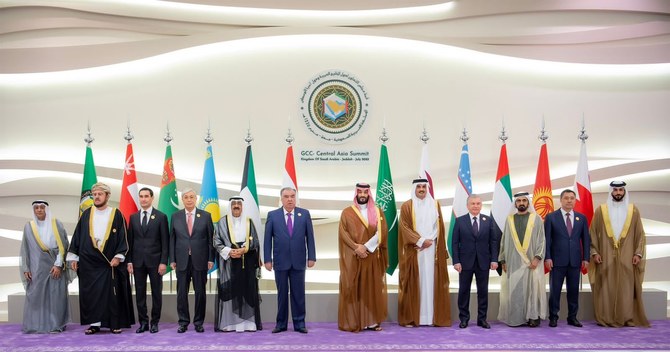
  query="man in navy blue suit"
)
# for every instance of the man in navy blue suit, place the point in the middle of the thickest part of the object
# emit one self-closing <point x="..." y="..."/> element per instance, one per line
<point x="475" y="244"/>
<point x="289" y="248"/>
<point x="568" y="242"/>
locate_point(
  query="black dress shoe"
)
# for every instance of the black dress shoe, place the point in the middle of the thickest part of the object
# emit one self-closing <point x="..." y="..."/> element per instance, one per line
<point x="575" y="323"/>
<point x="182" y="329"/>
<point x="277" y="330"/>
<point x="154" y="328"/>
<point x="143" y="327"/>
<point x="553" y="323"/>
<point x="463" y="324"/>
<point x="484" y="324"/>
<point x="199" y="328"/>
<point x="302" y="330"/>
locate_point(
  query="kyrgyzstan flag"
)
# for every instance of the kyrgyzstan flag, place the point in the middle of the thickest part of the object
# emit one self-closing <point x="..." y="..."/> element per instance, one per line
<point x="543" y="202"/>
<point x="129" y="202"/>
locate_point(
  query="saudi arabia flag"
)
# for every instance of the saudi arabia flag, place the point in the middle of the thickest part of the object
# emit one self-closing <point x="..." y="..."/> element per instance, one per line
<point x="386" y="201"/>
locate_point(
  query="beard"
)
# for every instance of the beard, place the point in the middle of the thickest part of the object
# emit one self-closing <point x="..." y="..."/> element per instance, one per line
<point x="362" y="200"/>
<point x="102" y="204"/>
<point x="618" y="197"/>
<point x="522" y="208"/>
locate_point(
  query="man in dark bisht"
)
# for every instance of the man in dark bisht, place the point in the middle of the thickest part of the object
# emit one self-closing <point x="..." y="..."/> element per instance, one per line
<point x="97" y="249"/>
<point x="236" y="241"/>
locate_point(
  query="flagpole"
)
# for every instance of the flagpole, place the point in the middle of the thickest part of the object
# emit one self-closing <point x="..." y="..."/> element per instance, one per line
<point x="129" y="137"/>
<point x="582" y="137"/>
<point x="168" y="138"/>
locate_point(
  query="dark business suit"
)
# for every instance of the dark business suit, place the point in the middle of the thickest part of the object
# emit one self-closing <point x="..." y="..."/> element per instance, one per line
<point x="475" y="253"/>
<point x="191" y="254"/>
<point x="289" y="255"/>
<point x="148" y="248"/>
<point x="567" y="254"/>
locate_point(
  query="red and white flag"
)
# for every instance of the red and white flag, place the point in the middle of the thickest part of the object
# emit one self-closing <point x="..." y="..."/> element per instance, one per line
<point x="424" y="169"/>
<point x="290" y="179"/>
<point x="129" y="202"/>
<point x="582" y="187"/>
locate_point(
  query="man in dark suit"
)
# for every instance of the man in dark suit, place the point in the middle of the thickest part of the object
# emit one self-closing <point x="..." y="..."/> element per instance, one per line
<point x="475" y="243"/>
<point x="148" y="255"/>
<point x="288" y="246"/>
<point x="568" y="243"/>
<point x="192" y="255"/>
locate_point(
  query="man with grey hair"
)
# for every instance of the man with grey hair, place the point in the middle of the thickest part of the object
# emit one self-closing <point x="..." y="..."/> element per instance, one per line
<point x="617" y="269"/>
<point x="98" y="247"/>
<point x="192" y="255"/>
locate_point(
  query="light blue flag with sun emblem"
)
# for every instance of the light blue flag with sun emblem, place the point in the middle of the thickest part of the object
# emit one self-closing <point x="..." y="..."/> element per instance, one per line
<point x="209" y="195"/>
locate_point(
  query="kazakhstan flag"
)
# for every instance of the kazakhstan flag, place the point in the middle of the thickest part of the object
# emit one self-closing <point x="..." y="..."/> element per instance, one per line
<point x="209" y="195"/>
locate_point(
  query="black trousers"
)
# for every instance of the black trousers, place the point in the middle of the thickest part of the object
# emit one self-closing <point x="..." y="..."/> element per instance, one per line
<point x="464" y="283"/>
<point x="140" y="274"/>
<point x="184" y="278"/>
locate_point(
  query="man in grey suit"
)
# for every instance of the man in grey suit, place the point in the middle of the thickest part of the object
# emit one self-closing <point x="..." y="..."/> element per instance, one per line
<point x="288" y="246"/>
<point x="192" y="255"/>
<point x="148" y="255"/>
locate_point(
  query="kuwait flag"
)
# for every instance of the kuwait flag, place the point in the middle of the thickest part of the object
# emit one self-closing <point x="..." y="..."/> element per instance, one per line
<point x="90" y="178"/>
<point x="290" y="179"/>
<point x="502" y="205"/>
<point x="385" y="199"/>
<point x="463" y="190"/>
<point x="424" y="169"/>
<point x="129" y="202"/>
<point x="543" y="202"/>
<point x="582" y="187"/>
<point x="248" y="192"/>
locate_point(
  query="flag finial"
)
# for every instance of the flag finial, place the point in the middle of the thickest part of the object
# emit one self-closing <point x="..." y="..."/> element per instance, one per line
<point x="89" y="139"/>
<point x="168" y="138"/>
<point x="208" y="137"/>
<point x="464" y="136"/>
<point x="582" y="133"/>
<point x="129" y="136"/>
<point x="289" y="137"/>
<point x="424" y="136"/>
<point x="543" y="134"/>
<point x="503" y="134"/>
<point x="384" y="137"/>
<point x="248" y="138"/>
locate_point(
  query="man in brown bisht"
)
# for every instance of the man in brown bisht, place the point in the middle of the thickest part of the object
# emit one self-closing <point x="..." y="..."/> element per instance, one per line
<point x="616" y="270"/>
<point x="363" y="260"/>
<point x="423" y="294"/>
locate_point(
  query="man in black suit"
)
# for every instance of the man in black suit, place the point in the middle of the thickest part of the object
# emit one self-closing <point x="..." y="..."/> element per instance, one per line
<point x="192" y="255"/>
<point x="475" y="243"/>
<point x="148" y="255"/>
<point x="568" y="245"/>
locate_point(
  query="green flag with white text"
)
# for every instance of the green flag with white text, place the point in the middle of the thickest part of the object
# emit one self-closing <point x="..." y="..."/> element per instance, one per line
<point x="90" y="178"/>
<point x="385" y="199"/>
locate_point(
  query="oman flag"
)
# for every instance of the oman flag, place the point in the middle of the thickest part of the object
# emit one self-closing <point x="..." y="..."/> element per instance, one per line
<point x="543" y="202"/>
<point x="290" y="179"/>
<point x="502" y="204"/>
<point x="582" y="187"/>
<point x="129" y="202"/>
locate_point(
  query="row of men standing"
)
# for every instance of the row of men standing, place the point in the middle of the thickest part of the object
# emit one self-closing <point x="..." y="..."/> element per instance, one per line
<point x="100" y="246"/>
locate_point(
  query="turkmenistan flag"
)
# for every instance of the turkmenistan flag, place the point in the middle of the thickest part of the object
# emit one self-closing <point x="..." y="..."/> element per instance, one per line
<point x="385" y="198"/>
<point x="248" y="192"/>
<point x="168" y="202"/>
<point x="90" y="178"/>
<point x="463" y="190"/>
<point x="502" y="205"/>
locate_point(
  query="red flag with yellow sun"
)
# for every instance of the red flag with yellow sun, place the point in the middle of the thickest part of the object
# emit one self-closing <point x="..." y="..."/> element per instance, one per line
<point x="543" y="202"/>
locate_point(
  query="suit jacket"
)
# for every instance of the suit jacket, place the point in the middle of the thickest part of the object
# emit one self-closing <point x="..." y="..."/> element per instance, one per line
<point x="148" y="248"/>
<point x="466" y="246"/>
<point x="200" y="242"/>
<point x="289" y="252"/>
<point x="562" y="249"/>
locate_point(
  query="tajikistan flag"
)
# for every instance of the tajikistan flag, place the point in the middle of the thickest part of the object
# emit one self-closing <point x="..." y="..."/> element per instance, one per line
<point x="290" y="179"/>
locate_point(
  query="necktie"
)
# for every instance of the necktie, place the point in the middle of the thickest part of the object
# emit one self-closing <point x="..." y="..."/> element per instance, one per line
<point x="144" y="221"/>
<point x="289" y="224"/>
<point x="189" y="223"/>
<point x="475" y="227"/>
<point x="568" y="223"/>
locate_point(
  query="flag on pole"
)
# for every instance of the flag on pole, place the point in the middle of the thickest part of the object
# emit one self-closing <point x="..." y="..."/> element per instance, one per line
<point x="168" y="202"/>
<point x="385" y="199"/>
<point x="209" y="194"/>
<point x="129" y="201"/>
<point x="582" y="187"/>
<point x="90" y="178"/>
<point x="424" y="169"/>
<point x="543" y="202"/>
<point x="290" y="179"/>
<point x="502" y="204"/>
<point x="248" y="192"/>
<point x="463" y="190"/>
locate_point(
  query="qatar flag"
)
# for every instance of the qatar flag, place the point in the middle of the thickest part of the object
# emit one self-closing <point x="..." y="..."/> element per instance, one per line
<point x="129" y="202"/>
